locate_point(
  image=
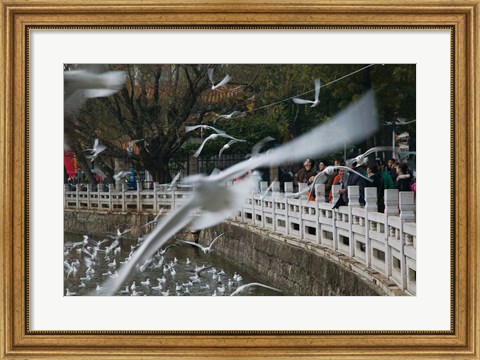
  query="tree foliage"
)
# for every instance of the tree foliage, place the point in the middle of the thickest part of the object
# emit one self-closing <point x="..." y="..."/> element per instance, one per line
<point x="158" y="100"/>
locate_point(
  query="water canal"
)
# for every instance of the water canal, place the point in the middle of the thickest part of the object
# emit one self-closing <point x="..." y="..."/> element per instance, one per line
<point x="176" y="270"/>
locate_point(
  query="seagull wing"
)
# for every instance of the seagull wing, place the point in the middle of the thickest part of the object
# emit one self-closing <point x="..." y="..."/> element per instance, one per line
<point x="243" y="287"/>
<point x="225" y="81"/>
<point x="302" y="101"/>
<point x="355" y="123"/>
<point x="378" y="148"/>
<point x="162" y="232"/>
<point x="317" y="89"/>
<point x="192" y="243"/>
<point x="351" y="170"/>
<point x="210" y="75"/>
<point x="199" y="150"/>
<point x="213" y="241"/>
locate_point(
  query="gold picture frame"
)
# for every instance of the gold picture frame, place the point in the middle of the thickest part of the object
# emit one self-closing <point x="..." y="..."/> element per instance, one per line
<point x="18" y="341"/>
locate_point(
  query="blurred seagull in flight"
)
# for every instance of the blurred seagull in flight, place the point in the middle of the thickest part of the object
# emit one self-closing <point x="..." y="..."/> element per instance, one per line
<point x="360" y="159"/>
<point x="213" y="137"/>
<point x="206" y="249"/>
<point x="229" y="116"/>
<point x="96" y="150"/>
<point x="227" y="146"/>
<point x="217" y="201"/>
<point x="203" y="127"/>
<point x="120" y="175"/>
<point x="242" y="288"/>
<point x="82" y="84"/>
<point x="317" y="95"/>
<point x="225" y="80"/>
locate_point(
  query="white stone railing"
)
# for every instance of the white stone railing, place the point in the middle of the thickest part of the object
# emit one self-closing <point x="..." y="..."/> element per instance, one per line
<point x="383" y="242"/>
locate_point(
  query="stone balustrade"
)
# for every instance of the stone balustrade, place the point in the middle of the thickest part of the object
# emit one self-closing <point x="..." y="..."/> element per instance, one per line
<point x="385" y="242"/>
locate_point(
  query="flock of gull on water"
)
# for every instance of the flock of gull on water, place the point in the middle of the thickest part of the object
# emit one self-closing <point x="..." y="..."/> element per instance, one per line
<point x="213" y="198"/>
<point x="89" y="262"/>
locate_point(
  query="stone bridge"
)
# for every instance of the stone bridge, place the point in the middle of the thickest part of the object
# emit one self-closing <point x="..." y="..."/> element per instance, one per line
<point x="378" y="247"/>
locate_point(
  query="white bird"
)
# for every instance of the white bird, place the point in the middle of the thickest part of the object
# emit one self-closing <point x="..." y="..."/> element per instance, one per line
<point x="120" y="175"/>
<point x="146" y="282"/>
<point x="97" y="149"/>
<point x="166" y="293"/>
<point x="126" y="291"/>
<point x="229" y="116"/>
<point x="225" y="80"/>
<point x="243" y="287"/>
<point x="227" y="146"/>
<point x="317" y="95"/>
<point x="187" y="262"/>
<point x="321" y="177"/>
<point x="360" y="159"/>
<point x="69" y="293"/>
<point x="213" y="137"/>
<point x="194" y="127"/>
<point x="205" y="249"/>
<point x="154" y="221"/>
<point x="80" y="85"/>
<point x="217" y="201"/>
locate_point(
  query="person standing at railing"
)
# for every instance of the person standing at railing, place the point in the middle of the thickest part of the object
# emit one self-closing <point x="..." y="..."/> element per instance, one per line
<point x="329" y="182"/>
<point x="404" y="178"/>
<point x="387" y="179"/>
<point x="306" y="174"/>
<point x="353" y="179"/>
<point x="338" y="180"/>
<point x="377" y="182"/>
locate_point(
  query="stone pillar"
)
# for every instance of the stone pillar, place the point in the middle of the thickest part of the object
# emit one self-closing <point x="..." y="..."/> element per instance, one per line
<point x="335" y="194"/>
<point x="301" y="187"/>
<point x="370" y="206"/>
<point x="275" y="187"/>
<point x="320" y="192"/>
<point x="391" y="203"/>
<point x="353" y="201"/>
<point x="288" y="186"/>
<point x="370" y="200"/>
<point x="353" y="196"/>
<point x="263" y="186"/>
<point x="407" y="214"/>
<point x="407" y="206"/>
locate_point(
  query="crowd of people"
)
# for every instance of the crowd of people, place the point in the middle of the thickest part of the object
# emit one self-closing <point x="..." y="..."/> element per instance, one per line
<point x="380" y="174"/>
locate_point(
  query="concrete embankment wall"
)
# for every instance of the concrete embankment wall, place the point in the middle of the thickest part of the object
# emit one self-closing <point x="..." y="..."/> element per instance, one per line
<point x="100" y="223"/>
<point x="297" y="267"/>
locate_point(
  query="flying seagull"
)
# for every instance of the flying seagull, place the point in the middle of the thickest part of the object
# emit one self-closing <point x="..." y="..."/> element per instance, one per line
<point x="225" y="80"/>
<point x="217" y="201"/>
<point x="205" y="249"/>
<point x="213" y="137"/>
<point x="317" y="95"/>
<point x="242" y="288"/>
<point x="227" y="146"/>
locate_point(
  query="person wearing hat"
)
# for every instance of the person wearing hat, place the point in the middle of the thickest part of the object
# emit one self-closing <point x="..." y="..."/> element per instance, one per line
<point x="306" y="174"/>
<point x="352" y="179"/>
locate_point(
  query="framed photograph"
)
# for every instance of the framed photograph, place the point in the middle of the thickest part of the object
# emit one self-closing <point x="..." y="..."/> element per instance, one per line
<point x="420" y="56"/>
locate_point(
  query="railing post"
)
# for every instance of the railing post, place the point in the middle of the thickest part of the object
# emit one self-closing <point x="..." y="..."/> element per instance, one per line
<point x="110" y="202"/>
<point x="88" y="196"/>
<point x="301" y="187"/>
<point x="275" y="188"/>
<point x="391" y="209"/>
<point x="288" y="187"/>
<point x="407" y="214"/>
<point x="77" y="195"/>
<point x="353" y="201"/>
<point x="124" y="205"/>
<point x="65" y="186"/>
<point x="320" y="198"/>
<point x="370" y="206"/>
<point x="138" y="197"/>
<point x="335" y="197"/>
<point x="155" y="201"/>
